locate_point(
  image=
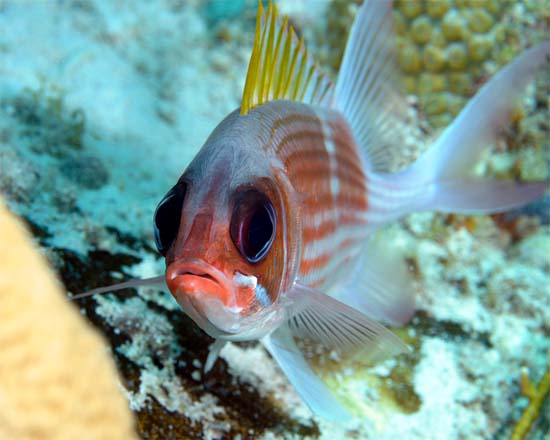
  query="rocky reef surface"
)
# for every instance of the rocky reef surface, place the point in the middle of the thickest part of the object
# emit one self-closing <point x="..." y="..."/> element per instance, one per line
<point x="102" y="105"/>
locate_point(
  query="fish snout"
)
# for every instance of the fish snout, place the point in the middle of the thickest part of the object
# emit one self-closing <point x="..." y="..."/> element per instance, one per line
<point x="196" y="278"/>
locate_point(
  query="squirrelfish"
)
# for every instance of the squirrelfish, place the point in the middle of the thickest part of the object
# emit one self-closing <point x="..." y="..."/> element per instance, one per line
<point x="267" y="235"/>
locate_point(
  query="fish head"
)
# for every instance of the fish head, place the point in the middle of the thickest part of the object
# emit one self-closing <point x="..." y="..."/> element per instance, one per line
<point x="228" y="238"/>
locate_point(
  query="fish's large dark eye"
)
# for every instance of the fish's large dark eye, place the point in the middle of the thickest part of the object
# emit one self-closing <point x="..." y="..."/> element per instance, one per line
<point x="252" y="226"/>
<point x="167" y="217"/>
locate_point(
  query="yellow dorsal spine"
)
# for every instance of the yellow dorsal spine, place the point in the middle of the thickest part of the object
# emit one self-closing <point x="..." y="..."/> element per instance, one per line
<point x="308" y="79"/>
<point x="280" y="67"/>
<point x="252" y="74"/>
<point x="271" y="14"/>
<point x="290" y="77"/>
<point x="273" y="65"/>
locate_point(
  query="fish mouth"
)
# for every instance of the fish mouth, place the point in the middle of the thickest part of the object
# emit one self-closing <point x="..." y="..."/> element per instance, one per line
<point x="194" y="277"/>
<point x="205" y="294"/>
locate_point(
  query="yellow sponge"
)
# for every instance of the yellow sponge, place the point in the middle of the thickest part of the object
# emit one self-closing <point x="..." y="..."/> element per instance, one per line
<point x="56" y="379"/>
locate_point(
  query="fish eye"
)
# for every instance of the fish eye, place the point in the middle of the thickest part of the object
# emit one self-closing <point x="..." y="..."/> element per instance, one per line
<point x="253" y="224"/>
<point x="167" y="217"/>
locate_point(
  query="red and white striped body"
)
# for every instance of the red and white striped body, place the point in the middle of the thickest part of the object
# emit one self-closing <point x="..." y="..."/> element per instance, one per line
<point x="318" y="153"/>
<point x="305" y="160"/>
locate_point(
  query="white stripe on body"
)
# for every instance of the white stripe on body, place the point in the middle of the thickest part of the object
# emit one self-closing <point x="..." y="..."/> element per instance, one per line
<point x="331" y="151"/>
<point x="330" y="246"/>
<point x="334" y="270"/>
<point x="389" y="198"/>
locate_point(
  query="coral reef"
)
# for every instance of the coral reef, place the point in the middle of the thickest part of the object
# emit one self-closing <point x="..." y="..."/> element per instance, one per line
<point x="330" y="41"/>
<point x="57" y="382"/>
<point x="42" y="117"/>
<point x="160" y="354"/>
<point x="446" y="50"/>
<point x="86" y="171"/>
<point x="216" y="10"/>
<point x="150" y="81"/>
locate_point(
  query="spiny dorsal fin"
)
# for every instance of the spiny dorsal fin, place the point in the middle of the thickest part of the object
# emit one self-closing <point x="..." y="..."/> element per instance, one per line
<point x="280" y="67"/>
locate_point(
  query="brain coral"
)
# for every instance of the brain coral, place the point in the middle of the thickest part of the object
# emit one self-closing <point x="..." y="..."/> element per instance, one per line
<point x="447" y="48"/>
<point x="56" y="379"/>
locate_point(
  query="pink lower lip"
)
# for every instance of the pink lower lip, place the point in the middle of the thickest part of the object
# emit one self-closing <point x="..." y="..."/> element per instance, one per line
<point x="193" y="284"/>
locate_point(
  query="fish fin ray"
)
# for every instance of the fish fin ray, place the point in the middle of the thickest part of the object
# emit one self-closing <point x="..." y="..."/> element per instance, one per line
<point x="486" y="196"/>
<point x="280" y="66"/>
<point x="280" y="344"/>
<point x="367" y="89"/>
<point x="213" y="353"/>
<point x="442" y="178"/>
<point x="340" y="327"/>
<point x="158" y="280"/>
<point x="456" y="150"/>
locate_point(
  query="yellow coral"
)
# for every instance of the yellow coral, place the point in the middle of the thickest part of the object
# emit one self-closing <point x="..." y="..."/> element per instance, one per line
<point x="469" y="37"/>
<point x="433" y="58"/>
<point x="536" y="396"/>
<point x="437" y="9"/>
<point x="56" y="379"/>
<point x="454" y="37"/>
<point x="453" y="26"/>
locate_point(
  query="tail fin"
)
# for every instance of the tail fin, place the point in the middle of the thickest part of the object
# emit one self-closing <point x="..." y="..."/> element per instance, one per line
<point x="366" y="94"/>
<point x="449" y="161"/>
<point x="458" y="147"/>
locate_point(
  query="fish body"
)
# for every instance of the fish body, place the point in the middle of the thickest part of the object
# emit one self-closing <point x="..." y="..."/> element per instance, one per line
<point x="305" y="162"/>
<point x="267" y="234"/>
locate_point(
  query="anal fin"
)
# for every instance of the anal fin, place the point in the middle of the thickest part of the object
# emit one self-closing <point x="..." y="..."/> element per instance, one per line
<point x="381" y="287"/>
<point x="337" y="326"/>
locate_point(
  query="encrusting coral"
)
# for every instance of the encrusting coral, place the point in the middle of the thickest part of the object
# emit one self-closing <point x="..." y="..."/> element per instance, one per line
<point x="446" y="48"/>
<point x="56" y="379"/>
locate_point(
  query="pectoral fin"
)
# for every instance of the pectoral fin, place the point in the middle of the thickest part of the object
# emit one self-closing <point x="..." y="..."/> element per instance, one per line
<point x="337" y="326"/>
<point x="340" y="327"/>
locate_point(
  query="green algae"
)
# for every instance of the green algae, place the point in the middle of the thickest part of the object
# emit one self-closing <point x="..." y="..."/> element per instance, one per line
<point x="399" y="385"/>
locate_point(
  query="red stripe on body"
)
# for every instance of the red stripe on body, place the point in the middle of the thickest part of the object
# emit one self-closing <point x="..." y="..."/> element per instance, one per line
<point x="316" y="263"/>
<point x="310" y="164"/>
<point x="315" y="232"/>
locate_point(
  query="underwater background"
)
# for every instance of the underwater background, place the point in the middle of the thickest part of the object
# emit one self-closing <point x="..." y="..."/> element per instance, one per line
<point x="103" y="103"/>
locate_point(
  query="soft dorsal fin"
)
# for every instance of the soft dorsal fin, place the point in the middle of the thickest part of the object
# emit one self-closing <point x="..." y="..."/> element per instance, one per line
<point x="280" y="67"/>
<point x="367" y="90"/>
